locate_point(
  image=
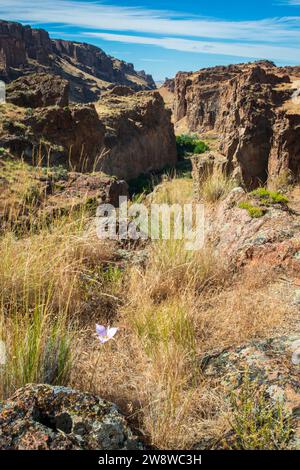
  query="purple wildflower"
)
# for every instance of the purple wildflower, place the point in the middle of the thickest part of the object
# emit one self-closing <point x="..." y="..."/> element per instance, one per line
<point x="105" y="334"/>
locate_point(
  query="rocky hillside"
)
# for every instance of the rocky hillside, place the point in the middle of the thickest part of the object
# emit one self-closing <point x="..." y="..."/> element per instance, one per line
<point x="87" y="68"/>
<point x="252" y="108"/>
<point x="122" y="136"/>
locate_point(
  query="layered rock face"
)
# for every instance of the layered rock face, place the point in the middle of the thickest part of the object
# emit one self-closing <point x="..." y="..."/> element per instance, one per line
<point x="88" y="69"/>
<point x="250" y="107"/>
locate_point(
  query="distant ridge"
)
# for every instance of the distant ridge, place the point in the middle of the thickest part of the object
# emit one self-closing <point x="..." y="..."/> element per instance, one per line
<point x="88" y="69"/>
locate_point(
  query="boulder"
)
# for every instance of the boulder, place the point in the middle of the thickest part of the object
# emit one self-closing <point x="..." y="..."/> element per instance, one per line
<point x="239" y="240"/>
<point x="38" y="90"/>
<point x="43" y="417"/>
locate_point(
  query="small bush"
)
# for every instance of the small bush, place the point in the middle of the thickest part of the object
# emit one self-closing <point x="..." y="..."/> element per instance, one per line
<point x="269" y="197"/>
<point x="189" y="144"/>
<point x="254" y="211"/>
<point x="258" y="424"/>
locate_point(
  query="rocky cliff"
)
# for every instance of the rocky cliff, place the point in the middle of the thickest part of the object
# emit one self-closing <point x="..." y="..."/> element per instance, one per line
<point x="139" y="134"/>
<point x="253" y="108"/>
<point x="87" y="68"/>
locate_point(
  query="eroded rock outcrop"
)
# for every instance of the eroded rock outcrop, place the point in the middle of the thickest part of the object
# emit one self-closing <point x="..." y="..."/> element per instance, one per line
<point x="125" y="136"/>
<point x="251" y="108"/>
<point x="38" y="90"/>
<point x="86" y="67"/>
<point x="270" y="239"/>
<point x="140" y="136"/>
<point x="41" y="417"/>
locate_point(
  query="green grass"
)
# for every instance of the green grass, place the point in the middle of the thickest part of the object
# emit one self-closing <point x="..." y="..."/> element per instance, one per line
<point x="254" y="211"/>
<point x="269" y="197"/>
<point x="165" y="324"/>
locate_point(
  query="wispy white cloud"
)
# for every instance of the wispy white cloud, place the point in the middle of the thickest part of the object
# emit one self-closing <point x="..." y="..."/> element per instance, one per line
<point x="100" y="16"/>
<point x="208" y="47"/>
<point x="181" y="32"/>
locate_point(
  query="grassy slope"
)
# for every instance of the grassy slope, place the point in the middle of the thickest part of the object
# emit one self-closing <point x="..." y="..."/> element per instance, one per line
<point x="57" y="283"/>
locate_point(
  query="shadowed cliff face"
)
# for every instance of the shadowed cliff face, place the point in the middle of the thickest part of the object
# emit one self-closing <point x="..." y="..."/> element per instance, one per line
<point x="87" y="68"/>
<point x="250" y="106"/>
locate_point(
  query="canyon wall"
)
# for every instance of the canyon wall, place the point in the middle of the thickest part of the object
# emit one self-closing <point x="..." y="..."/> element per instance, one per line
<point x="252" y="109"/>
<point x="87" y="68"/>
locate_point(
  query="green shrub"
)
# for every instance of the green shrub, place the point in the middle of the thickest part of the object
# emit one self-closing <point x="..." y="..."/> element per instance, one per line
<point x="258" y="423"/>
<point x="254" y="211"/>
<point x="189" y="144"/>
<point x="269" y="197"/>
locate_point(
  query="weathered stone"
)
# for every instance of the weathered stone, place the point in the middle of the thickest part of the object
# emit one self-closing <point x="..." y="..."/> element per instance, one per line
<point x="238" y="239"/>
<point x="129" y="135"/>
<point x="38" y="90"/>
<point x="140" y="137"/>
<point x="268" y="364"/>
<point x="248" y="106"/>
<point x="42" y="417"/>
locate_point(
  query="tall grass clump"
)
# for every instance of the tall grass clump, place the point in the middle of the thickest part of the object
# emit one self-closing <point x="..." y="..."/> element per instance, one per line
<point x="42" y="298"/>
<point x="161" y="315"/>
<point x="216" y="186"/>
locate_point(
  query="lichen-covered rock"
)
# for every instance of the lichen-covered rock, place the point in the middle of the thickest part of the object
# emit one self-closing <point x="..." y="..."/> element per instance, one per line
<point x="48" y="418"/>
<point x="38" y="90"/>
<point x="239" y="239"/>
<point x="268" y="364"/>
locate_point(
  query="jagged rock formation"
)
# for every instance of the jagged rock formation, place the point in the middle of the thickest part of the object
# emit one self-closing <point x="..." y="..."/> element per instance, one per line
<point x="129" y="135"/>
<point x="139" y="134"/>
<point x="38" y="90"/>
<point x="41" y="417"/>
<point x="250" y="106"/>
<point x="87" y="68"/>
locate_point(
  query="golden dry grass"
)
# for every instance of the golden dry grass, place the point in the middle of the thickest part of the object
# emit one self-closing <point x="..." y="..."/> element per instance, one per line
<point x="57" y="283"/>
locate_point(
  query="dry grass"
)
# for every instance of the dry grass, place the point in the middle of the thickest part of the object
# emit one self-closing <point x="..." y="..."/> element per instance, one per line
<point x="216" y="186"/>
<point x="43" y="295"/>
<point x="178" y="309"/>
<point x="56" y="284"/>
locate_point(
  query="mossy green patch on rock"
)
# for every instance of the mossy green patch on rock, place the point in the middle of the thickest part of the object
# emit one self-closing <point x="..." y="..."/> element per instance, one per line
<point x="267" y="197"/>
<point x="254" y="211"/>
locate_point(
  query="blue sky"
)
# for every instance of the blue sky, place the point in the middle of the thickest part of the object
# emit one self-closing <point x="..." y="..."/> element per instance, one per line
<point x="163" y="37"/>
